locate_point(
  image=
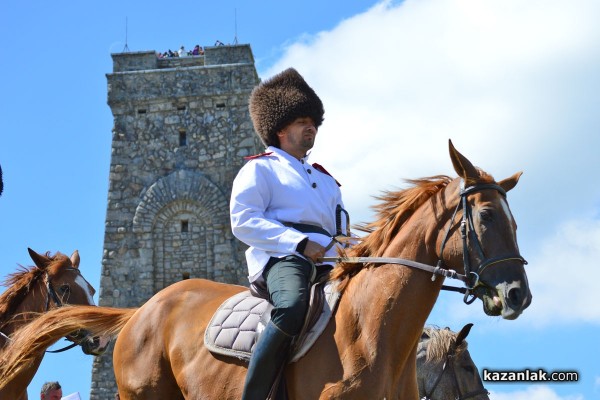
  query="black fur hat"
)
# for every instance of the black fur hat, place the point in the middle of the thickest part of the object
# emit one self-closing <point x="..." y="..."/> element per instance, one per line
<point x="278" y="101"/>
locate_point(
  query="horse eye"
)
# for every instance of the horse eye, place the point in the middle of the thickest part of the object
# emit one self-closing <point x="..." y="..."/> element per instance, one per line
<point x="65" y="289"/>
<point x="486" y="215"/>
<point x="469" y="369"/>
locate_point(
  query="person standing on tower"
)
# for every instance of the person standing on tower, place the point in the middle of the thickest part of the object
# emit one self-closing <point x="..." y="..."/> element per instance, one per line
<point x="285" y="210"/>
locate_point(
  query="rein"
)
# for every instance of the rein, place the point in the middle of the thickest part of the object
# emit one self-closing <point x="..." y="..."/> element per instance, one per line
<point x="471" y="278"/>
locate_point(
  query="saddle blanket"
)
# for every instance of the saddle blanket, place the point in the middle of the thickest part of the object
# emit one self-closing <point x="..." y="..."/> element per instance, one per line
<point x="239" y="321"/>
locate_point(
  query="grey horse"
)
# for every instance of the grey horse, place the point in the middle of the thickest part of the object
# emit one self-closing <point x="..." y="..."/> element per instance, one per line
<point x="445" y="369"/>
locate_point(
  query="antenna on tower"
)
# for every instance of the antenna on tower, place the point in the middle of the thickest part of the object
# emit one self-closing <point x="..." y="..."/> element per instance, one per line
<point x="126" y="48"/>
<point x="235" y="40"/>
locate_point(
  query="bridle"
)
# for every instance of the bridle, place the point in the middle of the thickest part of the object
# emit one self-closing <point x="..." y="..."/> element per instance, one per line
<point x="472" y="276"/>
<point x="449" y="366"/>
<point x="51" y="295"/>
<point x="467" y="232"/>
<point x="77" y="337"/>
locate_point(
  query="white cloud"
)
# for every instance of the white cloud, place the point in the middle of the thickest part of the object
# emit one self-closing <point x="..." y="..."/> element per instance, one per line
<point x="562" y="275"/>
<point x="514" y="84"/>
<point x="510" y="82"/>
<point x="533" y="393"/>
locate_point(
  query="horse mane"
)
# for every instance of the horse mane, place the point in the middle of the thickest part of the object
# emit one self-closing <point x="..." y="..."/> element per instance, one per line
<point x="20" y="283"/>
<point x="394" y="209"/>
<point x="440" y="341"/>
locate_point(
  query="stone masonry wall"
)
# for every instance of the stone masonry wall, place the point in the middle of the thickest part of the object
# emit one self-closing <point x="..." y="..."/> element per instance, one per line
<point x="180" y="133"/>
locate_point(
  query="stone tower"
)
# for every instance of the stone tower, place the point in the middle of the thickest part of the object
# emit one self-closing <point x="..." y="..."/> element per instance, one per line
<point x="181" y="130"/>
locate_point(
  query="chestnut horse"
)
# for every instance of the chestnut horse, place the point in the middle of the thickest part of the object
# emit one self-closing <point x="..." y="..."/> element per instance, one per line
<point x="445" y="369"/>
<point x="53" y="282"/>
<point x="368" y="350"/>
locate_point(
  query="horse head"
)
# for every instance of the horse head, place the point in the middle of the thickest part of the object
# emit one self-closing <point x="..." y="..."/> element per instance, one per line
<point x="65" y="284"/>
<point x="445" y="369"/>
<point x="487" y="236"/>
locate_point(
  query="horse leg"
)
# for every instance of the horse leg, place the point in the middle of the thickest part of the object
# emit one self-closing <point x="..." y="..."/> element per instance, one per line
<point x="407" y="387"/>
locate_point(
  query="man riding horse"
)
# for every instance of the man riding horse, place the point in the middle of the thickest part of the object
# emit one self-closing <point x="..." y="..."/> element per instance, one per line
<point x="285" y="210"/>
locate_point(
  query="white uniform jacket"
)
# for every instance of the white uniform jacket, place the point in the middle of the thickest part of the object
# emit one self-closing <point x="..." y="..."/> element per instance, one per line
<point x="274" y="189"/>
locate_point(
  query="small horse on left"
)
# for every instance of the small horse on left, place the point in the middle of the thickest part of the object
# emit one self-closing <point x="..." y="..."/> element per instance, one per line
<point x="54" y="281"/>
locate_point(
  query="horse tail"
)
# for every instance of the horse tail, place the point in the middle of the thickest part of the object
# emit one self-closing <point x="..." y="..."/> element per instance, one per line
<point x="30" y="342"/>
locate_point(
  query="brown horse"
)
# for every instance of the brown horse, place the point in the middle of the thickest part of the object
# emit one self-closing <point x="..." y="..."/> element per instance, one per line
<point x="368" y="350"/>
<point x="51" y="283"/>
<point x="445" y="369"/>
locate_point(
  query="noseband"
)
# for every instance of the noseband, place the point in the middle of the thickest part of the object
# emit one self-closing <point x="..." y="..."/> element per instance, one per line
<point x="449" y="366"/>
<point x="468" y="233"/>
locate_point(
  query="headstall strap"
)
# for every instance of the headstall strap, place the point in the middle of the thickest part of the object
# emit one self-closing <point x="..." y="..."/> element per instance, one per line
<point x="468" y="233"/>
<point x="52" y="294"/>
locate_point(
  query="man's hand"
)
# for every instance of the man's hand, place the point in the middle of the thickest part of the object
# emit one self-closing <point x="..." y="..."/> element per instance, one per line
<point x="314" y="251"/>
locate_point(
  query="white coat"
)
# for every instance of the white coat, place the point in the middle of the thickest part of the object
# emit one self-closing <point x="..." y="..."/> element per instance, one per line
<point x="276" y="188"/>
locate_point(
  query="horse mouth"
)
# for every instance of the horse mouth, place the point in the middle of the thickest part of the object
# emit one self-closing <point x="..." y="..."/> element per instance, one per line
<point x="506" y="300"/>
<point x="95" y="346"/>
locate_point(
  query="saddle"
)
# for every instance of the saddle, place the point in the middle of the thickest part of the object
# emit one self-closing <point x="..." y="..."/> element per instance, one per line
<point x="237" y="324"/>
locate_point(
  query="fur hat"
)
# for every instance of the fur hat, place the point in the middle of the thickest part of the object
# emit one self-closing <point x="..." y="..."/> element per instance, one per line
<point x="278" y="101"/>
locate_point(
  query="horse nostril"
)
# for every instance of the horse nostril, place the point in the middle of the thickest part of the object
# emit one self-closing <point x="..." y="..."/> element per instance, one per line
<point x="514" y="297"/>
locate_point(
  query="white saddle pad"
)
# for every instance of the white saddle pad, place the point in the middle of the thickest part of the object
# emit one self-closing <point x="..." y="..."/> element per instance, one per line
<point x="238" y="322"/>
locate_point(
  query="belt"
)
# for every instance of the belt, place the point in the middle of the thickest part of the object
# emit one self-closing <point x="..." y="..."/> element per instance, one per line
<point x="307" y="228"/>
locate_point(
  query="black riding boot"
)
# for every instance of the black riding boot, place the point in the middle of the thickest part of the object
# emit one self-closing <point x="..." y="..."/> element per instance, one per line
<point x="267" y="359"/>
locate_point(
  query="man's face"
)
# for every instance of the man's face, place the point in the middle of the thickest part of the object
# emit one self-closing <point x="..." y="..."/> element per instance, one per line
<point x="298" y="137"/>
<point x="53" y="395"/>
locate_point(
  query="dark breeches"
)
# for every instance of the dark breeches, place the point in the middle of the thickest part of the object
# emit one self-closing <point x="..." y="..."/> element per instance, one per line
<point x="288" y="282"/>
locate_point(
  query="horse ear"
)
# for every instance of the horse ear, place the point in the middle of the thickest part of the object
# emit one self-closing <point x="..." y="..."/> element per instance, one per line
<point x="40" y="261"/>
<point x="462" y="166"/>
<point x="511" y="182"/>
<point x="464" y="332"/>
<point x="75" y="259"/>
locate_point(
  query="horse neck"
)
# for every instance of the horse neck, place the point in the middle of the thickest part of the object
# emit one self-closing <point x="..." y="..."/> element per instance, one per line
<point x="33" y="302"/>
<point x="428" y="374"/>
<point x="389" y="304"/>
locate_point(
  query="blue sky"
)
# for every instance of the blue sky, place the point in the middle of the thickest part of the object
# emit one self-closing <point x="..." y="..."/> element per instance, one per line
<point x="514" y="84"/>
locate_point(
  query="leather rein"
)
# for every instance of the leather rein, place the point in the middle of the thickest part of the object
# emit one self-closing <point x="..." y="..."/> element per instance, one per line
<point x="471" y="278"/>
